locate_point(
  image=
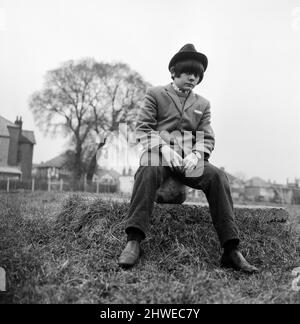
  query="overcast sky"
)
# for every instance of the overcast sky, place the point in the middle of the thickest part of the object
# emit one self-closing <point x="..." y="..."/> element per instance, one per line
<point x="252" y="80"/>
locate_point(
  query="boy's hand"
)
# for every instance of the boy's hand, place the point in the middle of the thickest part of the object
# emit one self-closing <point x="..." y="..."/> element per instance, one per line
<point x="190" y="162"/>
<point x="173" y="159"/>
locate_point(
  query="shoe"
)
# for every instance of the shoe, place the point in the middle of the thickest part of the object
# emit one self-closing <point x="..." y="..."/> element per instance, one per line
<point x="130" y="254"/>
<point x="235" y="260"/>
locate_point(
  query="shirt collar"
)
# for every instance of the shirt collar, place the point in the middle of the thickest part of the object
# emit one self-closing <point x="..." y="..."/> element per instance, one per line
<point x="179" y="90"/>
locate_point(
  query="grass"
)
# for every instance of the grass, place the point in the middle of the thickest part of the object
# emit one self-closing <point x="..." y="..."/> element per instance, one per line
<point x="62" y="248"/>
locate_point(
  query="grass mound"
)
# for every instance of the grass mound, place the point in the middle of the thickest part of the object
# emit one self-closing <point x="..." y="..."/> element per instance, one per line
<point x="180" y="234"/>
<point x="71" y="258"/>
<point x="182" y="243"/>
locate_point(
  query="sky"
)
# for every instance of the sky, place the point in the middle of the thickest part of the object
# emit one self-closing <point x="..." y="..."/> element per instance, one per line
<point x="252" y="80"/>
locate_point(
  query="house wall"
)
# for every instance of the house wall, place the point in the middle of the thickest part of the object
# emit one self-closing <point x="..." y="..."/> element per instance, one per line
<point x="295" y="196"/>
<point x="267" y="193"/>
<point x="11" y="176"/>
<point x="53" y="173"/>
<point x="259" y="193"/>
<point x="283" y="195"/>
<point x="13" y="146"/>
<point x="251" y="192"/>
<point x="26" y="154"/>
<point x="4" y="146"/>
<point x="41" y="173"/>
<point x="65" y="173"/>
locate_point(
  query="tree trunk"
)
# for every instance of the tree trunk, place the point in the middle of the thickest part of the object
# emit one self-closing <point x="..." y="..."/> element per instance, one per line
<point x="92" y="167"/>
<point x="93" y="162"/>
<point x="77" y="169"/>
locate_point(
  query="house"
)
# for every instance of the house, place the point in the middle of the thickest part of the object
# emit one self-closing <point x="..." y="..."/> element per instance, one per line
<point x="295" y="184"/>
<point x="106" y="180"/>
<point x="106" y="177"/>
<point x="257" y="189"/>
<point x="16" y="150"/>
<point x="57" y="168"/>
<point x="282" y="194"/>
<point x="126" y="181"/>
<point x="295" y="187"/>
<point x="296" y="196"/>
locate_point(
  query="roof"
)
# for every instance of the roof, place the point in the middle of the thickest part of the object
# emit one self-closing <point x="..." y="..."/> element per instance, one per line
<point x="257" y="182"/>
<point x="10" y="169"/>
<point x="3" y="126"/>
<point x="27" y="137"/>
<point x="57" y="162"/>
<point x="114" y="173"/>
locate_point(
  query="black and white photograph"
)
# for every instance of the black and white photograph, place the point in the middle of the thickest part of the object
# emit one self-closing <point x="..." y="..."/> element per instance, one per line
<point x="149" y="155"/>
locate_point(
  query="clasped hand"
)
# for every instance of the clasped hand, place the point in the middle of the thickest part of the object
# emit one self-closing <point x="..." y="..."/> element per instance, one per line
<point x="175" y="161"/>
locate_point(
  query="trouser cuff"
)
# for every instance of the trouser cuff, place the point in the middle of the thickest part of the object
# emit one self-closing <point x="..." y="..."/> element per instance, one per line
<point x="134" y="234"/>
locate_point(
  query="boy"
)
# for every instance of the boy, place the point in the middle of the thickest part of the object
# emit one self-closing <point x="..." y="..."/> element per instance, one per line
<point x="167" y="113"/>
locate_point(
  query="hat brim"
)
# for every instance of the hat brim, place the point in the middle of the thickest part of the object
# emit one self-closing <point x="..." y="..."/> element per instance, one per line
<point x="181" y="56"/>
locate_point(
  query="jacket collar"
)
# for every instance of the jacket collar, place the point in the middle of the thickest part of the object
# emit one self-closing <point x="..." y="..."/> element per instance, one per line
<point x="191" y="99"/>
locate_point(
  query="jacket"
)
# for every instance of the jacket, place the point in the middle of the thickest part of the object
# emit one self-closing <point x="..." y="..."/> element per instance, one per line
<point x="162" y="121"/>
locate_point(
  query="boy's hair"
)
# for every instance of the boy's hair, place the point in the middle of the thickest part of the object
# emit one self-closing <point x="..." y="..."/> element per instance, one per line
<point x="188" y="66"/>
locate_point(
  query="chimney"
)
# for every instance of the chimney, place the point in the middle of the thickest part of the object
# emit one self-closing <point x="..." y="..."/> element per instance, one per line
<point x="19" y="122"/>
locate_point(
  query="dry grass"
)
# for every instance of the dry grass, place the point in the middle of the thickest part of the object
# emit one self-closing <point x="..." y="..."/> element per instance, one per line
<point x="63" y="249"/>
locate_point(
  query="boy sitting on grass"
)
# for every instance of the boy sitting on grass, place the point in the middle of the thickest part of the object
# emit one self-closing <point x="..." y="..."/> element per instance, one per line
<point x="167" y="113"/>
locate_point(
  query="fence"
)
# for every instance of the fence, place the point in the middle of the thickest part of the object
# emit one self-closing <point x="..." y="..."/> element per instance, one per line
<point x="12" y="185"/>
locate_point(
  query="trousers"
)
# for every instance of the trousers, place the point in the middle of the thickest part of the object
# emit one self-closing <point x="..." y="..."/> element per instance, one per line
<point x="213" y="182"/>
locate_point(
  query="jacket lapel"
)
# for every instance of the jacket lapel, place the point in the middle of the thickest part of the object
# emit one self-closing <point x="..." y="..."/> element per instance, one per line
<point x="191" y="99"/>
<point x="172" y="94"/>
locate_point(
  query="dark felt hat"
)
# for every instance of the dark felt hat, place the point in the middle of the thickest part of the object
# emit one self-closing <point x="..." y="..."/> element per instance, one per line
<point x="188" y="51"/>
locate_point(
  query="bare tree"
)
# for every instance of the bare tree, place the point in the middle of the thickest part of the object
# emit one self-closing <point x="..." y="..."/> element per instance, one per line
<point x="84" y="100"/>
<point x="122" y="92"/>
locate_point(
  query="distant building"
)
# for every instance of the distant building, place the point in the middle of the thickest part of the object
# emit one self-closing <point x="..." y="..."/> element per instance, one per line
<point x="295" y="184"/>
<point x="56" y="168"/>
<point x="126" y="181"/>
<point x="106" y="177"/>
<point x="107" y="180"/>
<point x="282" y="194"/>
<point x="257" y="189"/>
<point x="16" y="150"/>
<point x="295" y="187"/>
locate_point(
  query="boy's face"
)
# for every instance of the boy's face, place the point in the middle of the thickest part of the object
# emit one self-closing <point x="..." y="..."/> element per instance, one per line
<point x="186" y="81"/>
